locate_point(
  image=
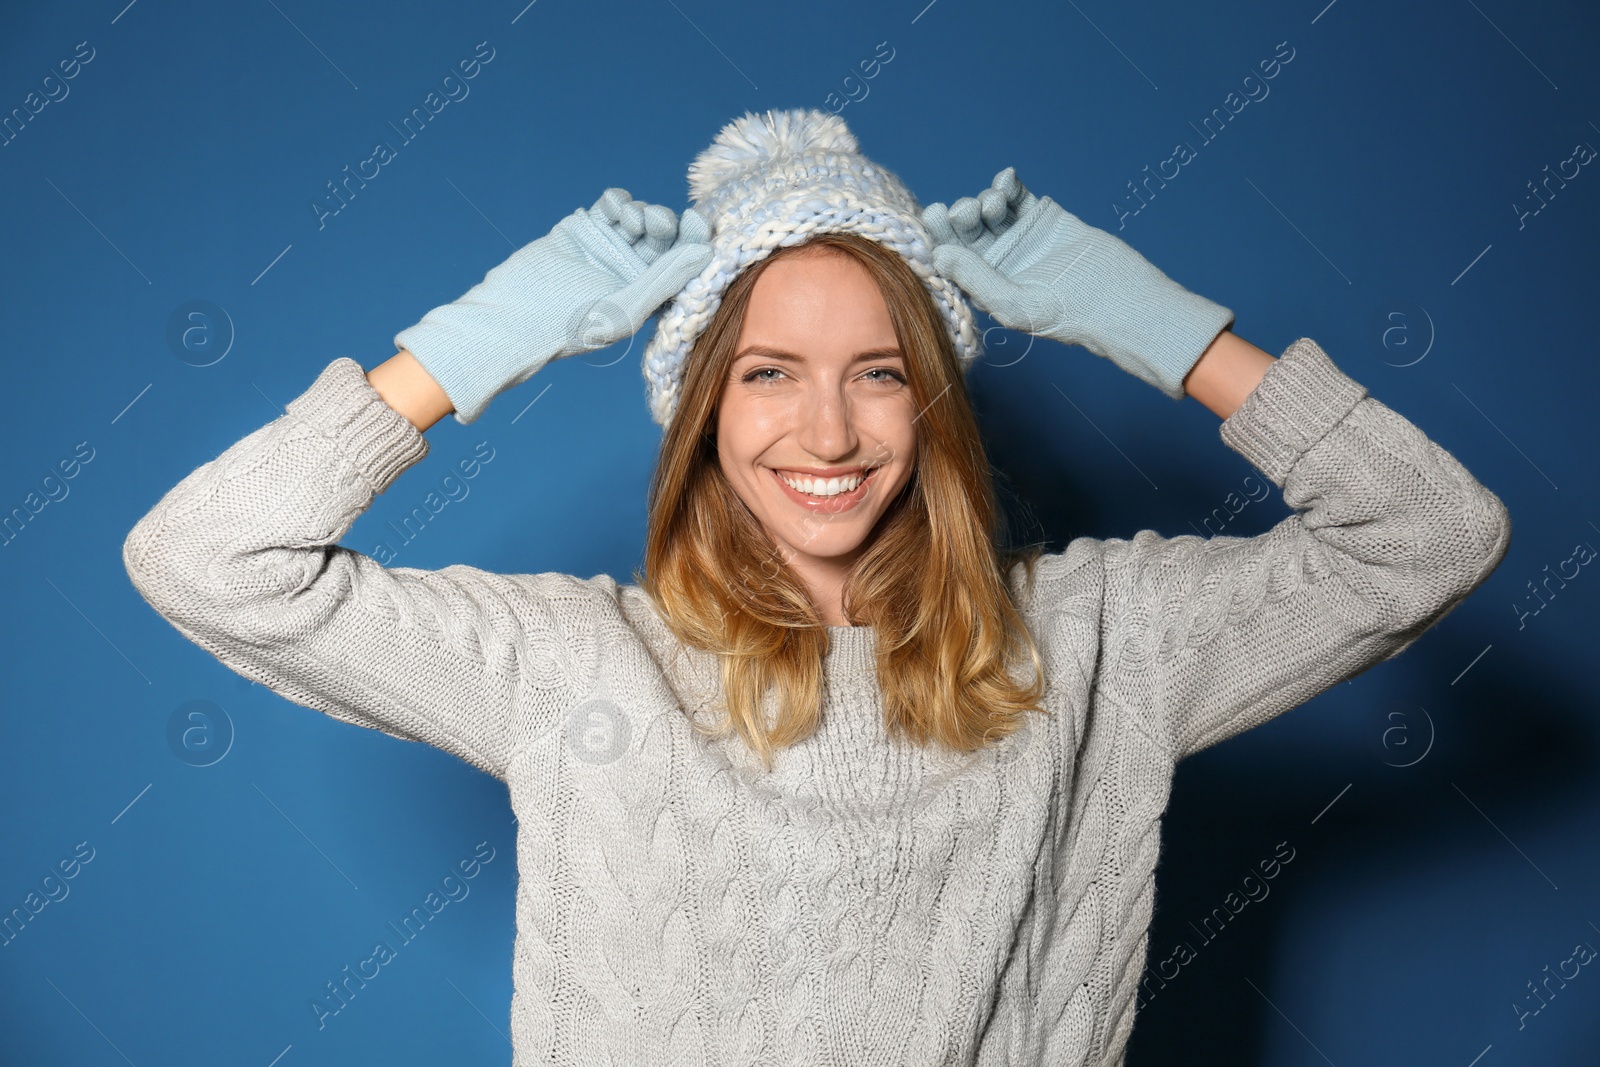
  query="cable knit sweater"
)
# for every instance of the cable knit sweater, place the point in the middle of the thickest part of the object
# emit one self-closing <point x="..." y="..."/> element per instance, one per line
<point x="867" y="902"/>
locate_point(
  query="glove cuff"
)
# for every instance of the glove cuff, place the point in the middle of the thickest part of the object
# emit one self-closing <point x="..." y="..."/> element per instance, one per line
<point x="1154" y="328"/>
<point x="1118" y="304"/>
<point x="475" y="351"/>
<point x="1175" y="335"/>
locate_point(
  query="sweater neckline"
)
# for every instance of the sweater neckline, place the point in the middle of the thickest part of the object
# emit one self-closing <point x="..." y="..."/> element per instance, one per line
<point x="851" y="659"/>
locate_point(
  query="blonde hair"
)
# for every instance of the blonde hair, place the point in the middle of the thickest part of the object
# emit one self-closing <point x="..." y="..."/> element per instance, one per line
<point x="935" y="592"/>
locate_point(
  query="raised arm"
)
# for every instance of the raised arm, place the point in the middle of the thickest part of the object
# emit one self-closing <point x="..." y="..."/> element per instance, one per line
<point x="1204" y="638"/>
<point x="242" y="555"/>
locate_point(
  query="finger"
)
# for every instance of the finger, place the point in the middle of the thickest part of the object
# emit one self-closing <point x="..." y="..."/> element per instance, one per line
<point x="966" y="219"/>
<point x="973" y="273"/>
<point x="660" y="223"/>
<point x="936" y="217"/>
<point x="660" y="230"/>
<point x="1009" y="185"/>
<point x="611" y="202"/>
<point x="661" y="281"/>
<point x="693" y="228"/>
<point x="631" y="220"/>
<point x="994" y="207"/>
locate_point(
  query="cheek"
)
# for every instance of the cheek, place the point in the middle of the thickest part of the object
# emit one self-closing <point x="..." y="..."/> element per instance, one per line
<point x="746" y="427"/>
<point x="896" y="435"/>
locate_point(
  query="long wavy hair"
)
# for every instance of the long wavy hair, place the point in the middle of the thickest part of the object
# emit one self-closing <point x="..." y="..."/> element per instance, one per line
<point x="931" y="582"/>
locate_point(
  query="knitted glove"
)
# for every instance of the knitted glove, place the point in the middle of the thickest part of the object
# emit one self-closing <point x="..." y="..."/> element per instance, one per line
<point x="1035" y="266"/>
<point x="591" y="281"/>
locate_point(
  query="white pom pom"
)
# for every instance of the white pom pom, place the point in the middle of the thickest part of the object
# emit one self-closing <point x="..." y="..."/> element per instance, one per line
<point x="753" y="139"/>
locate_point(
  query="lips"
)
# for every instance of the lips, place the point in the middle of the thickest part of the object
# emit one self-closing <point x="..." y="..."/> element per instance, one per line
<point x="831" y="505"/>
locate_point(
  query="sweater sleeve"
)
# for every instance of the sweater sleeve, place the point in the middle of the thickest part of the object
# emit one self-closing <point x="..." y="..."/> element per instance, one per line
<point x="241" y="557"/>
<point x="1205" y="638"/>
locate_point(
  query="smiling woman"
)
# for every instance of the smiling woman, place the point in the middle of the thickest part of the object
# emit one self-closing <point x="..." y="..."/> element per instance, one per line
<point x="846" y="897"/>
<point x="829" y="360"/>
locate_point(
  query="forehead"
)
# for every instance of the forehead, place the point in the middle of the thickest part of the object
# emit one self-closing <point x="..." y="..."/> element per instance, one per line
<point x="823" y="300"/>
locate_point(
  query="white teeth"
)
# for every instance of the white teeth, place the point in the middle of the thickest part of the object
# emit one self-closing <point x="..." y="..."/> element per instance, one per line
<point x="823" y="486"/>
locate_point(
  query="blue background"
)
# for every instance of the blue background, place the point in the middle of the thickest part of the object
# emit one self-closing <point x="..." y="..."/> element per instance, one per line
<point x="1442" y="809"/>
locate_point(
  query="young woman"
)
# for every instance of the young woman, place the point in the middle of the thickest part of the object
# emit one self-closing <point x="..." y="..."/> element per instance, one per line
<point x="840" y="779"/>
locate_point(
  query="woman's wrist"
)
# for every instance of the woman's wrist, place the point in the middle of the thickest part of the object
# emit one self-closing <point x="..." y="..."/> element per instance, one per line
<point x="408" y="388"/>
<point x="1228" y="372"/>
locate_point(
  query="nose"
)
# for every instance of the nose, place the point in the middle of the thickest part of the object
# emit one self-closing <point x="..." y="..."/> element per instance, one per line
<point x="828" y="429"/>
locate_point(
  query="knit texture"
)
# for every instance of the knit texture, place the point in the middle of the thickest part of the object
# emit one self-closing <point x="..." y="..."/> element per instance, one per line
<point x="777" y="179"/>
<point x="1051" y="274"/>
<point x="868" y="902"/>
<point x="594" y="279"/>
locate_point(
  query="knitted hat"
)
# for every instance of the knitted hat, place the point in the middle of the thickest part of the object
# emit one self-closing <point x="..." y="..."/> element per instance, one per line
<point x="773" y="180"/>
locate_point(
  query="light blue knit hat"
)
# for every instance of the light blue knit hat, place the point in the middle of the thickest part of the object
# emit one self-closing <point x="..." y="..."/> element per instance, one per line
<point x="776" y="179"/>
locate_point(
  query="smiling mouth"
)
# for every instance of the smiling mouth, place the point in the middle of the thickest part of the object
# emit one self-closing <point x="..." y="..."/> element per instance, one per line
<point x="789" y="477"/>
<point x="834" y="503"/>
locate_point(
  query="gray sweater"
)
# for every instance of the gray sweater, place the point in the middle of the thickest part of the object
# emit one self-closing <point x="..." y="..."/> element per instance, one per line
<point x="867" y="902"/>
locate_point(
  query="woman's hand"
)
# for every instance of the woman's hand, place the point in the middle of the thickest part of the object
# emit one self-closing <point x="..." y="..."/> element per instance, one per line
<point x="1035" y="266"/>
<point x="591" y="281"/>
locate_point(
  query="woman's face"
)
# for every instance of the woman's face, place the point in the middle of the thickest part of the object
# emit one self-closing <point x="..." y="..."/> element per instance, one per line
<point x="817" y="389"/>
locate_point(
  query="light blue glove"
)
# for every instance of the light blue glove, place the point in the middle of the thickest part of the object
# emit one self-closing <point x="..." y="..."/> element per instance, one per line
<point x="1035" y="266"/>
<point x="591" y="281"/>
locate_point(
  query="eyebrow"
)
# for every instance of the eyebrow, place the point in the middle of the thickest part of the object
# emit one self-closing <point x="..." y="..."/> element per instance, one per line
<point x="765" y="352"/>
